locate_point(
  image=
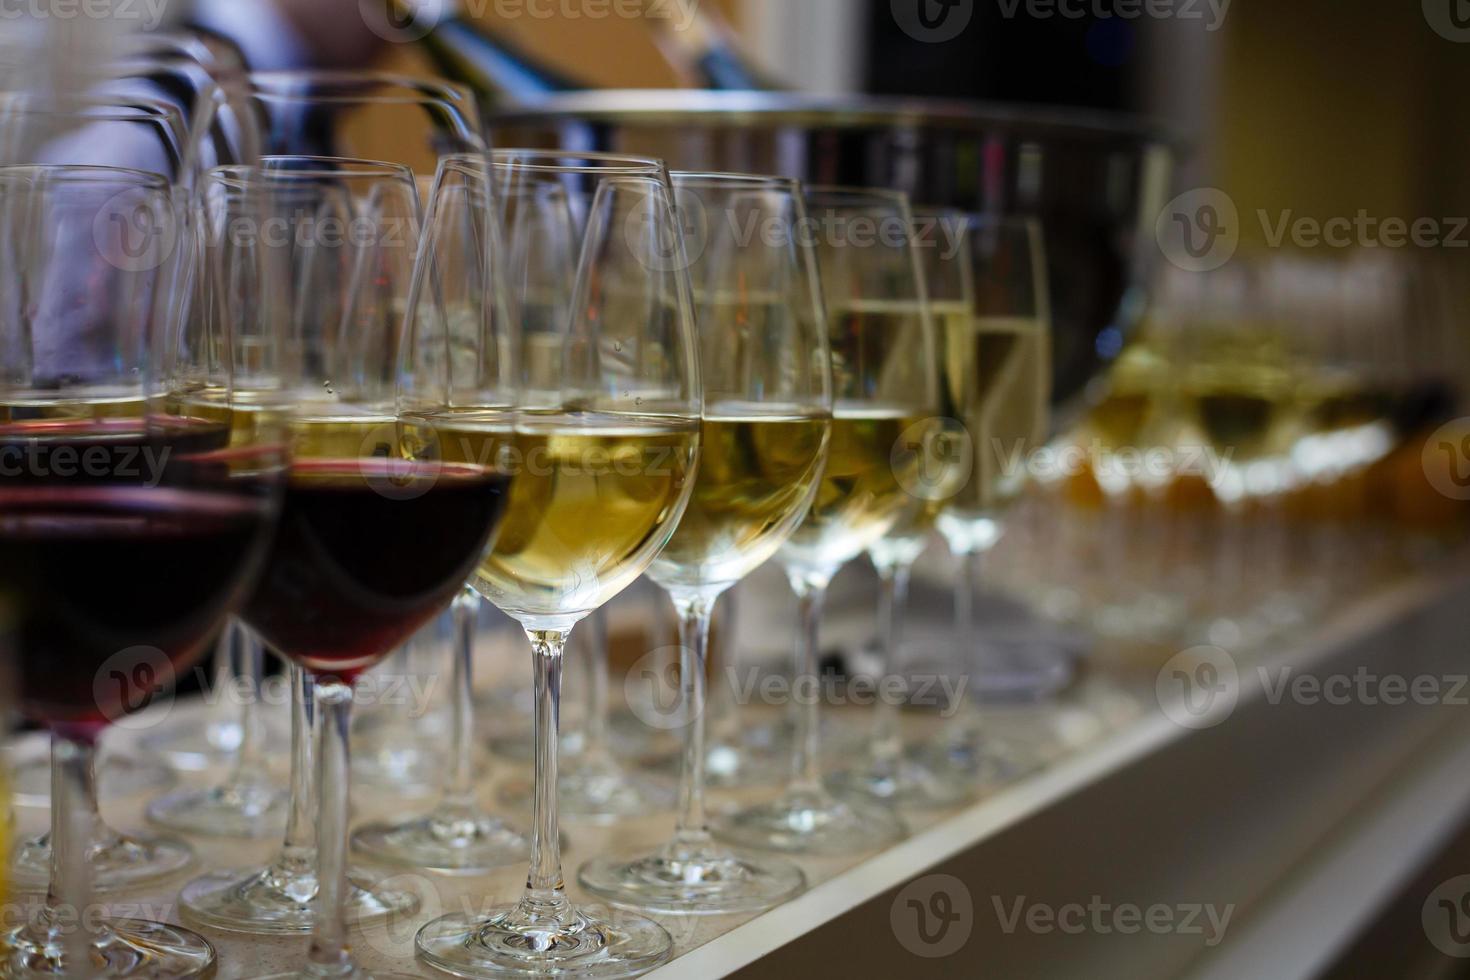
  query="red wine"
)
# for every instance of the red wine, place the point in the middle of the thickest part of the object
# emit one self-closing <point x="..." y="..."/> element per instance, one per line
<point x="366" y="552"/>
<point x="109" y="589"/>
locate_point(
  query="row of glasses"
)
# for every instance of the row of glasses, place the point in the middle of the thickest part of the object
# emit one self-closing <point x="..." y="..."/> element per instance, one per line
<point x="609" y="371"/>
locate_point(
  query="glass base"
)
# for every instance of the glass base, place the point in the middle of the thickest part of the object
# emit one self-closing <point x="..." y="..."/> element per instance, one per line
<point x="251" y="811"/>
<point x="695" y="880"/>
<point x="599" y="791"/>
<point x="356" y="973"/>
<point x="970" y="755"/>
<point x="905" y="783"/>
<point x="118" y="862"/>
<point x="587" y="942"/>
<point x="813" y="822"/>
<point x="118" y="777"/>
<point x="278" y="902"/>
<point x="123" y="948"/>
<point x="728" y="765"/>
<point x="197" y="745"/>
<point x="449" y="843"/>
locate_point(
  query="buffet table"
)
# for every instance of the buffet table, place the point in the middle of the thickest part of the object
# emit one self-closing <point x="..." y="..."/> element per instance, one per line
<point x="1272" y="831"/>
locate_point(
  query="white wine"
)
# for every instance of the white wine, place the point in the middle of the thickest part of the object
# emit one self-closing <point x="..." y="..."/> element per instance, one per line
<point x="997" y="371"/>
<point x="758" y="472"/>
<point x="594" y="498"/>
<point x="862" y="493"/>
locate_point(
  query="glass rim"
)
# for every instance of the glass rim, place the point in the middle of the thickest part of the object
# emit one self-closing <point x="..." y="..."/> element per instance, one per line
<point x="716" y="178"/>
<point x="400" y="89"/>
<point x="594" y="162"/>
<point x="337" y="167"/>
<point x="109" y="109"/>
<point x="89" y="173"/>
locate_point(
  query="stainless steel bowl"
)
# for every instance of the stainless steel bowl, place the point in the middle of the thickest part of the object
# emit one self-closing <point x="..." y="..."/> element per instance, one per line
<point x="1095" y="180"/>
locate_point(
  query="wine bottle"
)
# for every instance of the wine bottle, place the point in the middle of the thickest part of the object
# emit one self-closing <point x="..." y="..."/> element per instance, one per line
<point x="474" y="55"/>
<point x="701" y="46"/>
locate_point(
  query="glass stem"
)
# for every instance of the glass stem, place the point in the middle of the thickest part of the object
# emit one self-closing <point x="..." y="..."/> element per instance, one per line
<point x="967" y="583"/>
<point x="545" y="898"/>
<point x="459" y="792"/>
<point x="298" y="855"/>
<point x="73" y="825"/>
<point x="594" y="742"/>
<point x="886" y="745"/>
<point x="329" y="956"/>
<point x="806" y="763"/>
<point x="722" y="720"/>
<point x="692" y="830"/>
<point x="250" y="664"/>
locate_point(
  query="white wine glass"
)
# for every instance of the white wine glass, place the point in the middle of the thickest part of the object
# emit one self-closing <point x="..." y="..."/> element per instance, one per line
<point x="888" y="772"/>
<point x="604" y="450"/>
<point x="885" y="382"/>
<point x="767" y="404"/>
<point x="997" y="384"/>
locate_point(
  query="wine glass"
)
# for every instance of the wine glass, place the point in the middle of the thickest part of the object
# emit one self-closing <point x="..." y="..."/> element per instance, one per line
<point x="997" y="384"/>
<point x="766" y="425"/>
<point x="458" y="314"/>
<point x="946" y="456"/>
<point x="114" y="472"/>
<point x="605" y="446"/>
<point x="377" y="532"/>
<point x="342" y="115"/>
<point x="140" y="134"/>
<point x="886" y="387"/>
